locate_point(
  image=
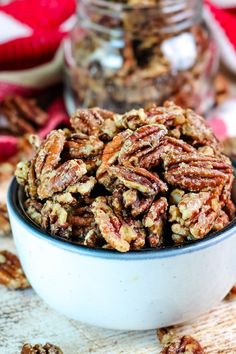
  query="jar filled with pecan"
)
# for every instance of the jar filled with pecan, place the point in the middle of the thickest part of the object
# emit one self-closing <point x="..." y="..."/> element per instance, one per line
<point x="129" y="53"/>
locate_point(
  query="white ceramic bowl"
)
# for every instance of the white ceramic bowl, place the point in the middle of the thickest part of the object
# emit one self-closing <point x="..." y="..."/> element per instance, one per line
<point x="133" y="291"/>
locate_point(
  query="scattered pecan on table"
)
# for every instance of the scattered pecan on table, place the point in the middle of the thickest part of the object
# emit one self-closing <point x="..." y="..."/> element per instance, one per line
<point x="4" y="220"/>
<point x="183" y="345"/>
<point x="148" y="178"/>
<point x="21" y="116"/>
<point x="232" y="294"/>
<point x="47" y="348"/>
<point x="166" y="335"/>
<point x="11" y="273"/>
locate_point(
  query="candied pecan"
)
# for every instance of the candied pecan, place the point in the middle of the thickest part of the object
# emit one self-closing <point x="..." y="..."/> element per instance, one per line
<point x="138" y="178"/>
<point x="195" y="171"/>
<point x="183" y="345"/>
<point x="136" y="202"/>
<point x="87" y="148"/>
<point x="48" y="156"/>
<point x="55" y="218"/>
<point x="94" y="121"/>
<point x="230" y="209"/>
<point x="132" y="120"/>
<point x="221" y="221"/>
<point x="166" y="335"/>
<point x="116" y="231"/>
<point x="84" y="186"/>
<point x="142" y="142"/>
<point x="22" y="115"/>
<point x="196" y="128"/>
<point x="154" y="221"/>
<point x="47" y="348"/>
<point x="232" y="294"/>
<point x="65" y="176"/>
<point x="194" y="214"/>
<point x="169" y="115"/>
<point x="94" y="239"/>
<point x="22" y="171"/>
<point x="4" y="220"/>
<point x="110" y="157"/>
<point x="33" y="208"/>
<point x="11" y="273"/>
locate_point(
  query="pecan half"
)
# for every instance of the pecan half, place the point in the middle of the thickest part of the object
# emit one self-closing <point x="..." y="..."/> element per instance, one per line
<point x="136" y="202"/>
<point x="67" y="175"/>
<point x="110" y="157"/>
<point x="166" y="335"/>
<point x="87" y="148"/>
<point x="194" y="215"/>
<point x="117" y="232"/>
<point x="94" y="121"/>
<point x="55" y="218"/>
<point x="232" y="294"/>
<point x="47" y="348"/>
<point x="48" y="156"/>
<point x="11" y="273"/>
<point x="183" y="345"/>
<point x="169" y="115"/>
<point x="138" y="178"/>
<point x="195" y="171"/>
<point x="196" y="129"/>
<point x="23" y="116"/>
<point x="4" y="220"/>
<point x="33" y="208"/>
<point x="154" y="221"/>
<point x="141" y="143"/>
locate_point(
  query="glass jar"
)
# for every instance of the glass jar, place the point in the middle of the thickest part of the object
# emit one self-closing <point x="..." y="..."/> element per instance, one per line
<point x="131" y="53"/>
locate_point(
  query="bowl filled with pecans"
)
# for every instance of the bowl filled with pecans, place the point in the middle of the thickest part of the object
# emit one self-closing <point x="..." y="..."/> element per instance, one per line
<point x="127" y="221"/>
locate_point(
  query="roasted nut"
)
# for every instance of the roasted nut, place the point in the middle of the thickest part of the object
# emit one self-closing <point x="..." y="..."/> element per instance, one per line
<point x="154" y="221"/>
<point x="22" y="115"/>
<point x="110" y="157"/>
<point x="11" y="273"/>
<point x="166" y="335"/>
<point x="33" y="208"/>
<point x="138" y="178"/>
<point x="196" y="129"/>
<point x="195" y="171"/>
<point x="232" y="294"/>
<point x="194" y="215"/>
<point x="183" y="345"/>
<point x="140" y="144"/>
<point x="63" y="178"/>
<point x="41" y="349"/>
<point x="118" y="233"/>
<point x="95" y="121"/>
<point x="55" y="218"/>
<point x="4" y="220"/>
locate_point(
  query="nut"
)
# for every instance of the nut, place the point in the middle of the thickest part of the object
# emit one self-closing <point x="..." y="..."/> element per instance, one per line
<point x="154" y="221"/>
<point x="183" y="345"/>
<point x="47" y="348"/>
<point x="4" y="220"/>
<point x="11" y="273"/>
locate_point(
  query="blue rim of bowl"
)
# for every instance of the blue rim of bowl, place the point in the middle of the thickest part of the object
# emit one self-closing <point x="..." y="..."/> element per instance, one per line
<point x="18" y="212"/>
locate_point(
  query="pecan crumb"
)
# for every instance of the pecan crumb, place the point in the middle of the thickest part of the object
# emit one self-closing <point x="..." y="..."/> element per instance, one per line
<point x="183" y="345"/>
<point x="11" y="273"/>
<point x="47" y="348"/>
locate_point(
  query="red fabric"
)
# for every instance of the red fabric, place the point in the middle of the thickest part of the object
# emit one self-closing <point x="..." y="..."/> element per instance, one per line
<point x="44" y="17"/>
<point x="226" y="19"/>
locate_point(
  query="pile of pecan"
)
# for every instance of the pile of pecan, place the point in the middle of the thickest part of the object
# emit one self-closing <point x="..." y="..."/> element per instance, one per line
<point x="147" y="178"/>
<point x="20" y="116"/>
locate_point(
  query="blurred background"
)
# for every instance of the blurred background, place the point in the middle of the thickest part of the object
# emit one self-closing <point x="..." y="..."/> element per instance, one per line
<point x="56" y="55"/>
